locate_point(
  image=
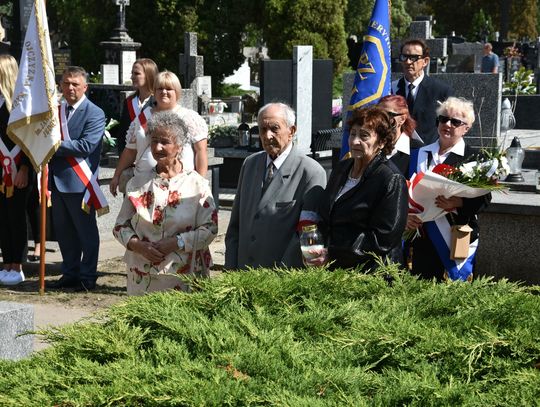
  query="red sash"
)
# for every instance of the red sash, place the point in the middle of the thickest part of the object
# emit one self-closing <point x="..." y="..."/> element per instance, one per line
<point x="94" y="195"/>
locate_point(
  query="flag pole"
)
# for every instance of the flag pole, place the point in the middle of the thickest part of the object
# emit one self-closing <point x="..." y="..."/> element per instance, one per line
<point x="43" y="229"/>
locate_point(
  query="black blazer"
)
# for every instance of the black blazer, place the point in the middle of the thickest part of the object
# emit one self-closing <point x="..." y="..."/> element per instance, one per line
<point x="370" y="217"/>
<point x="430" y="91"/>
<point x="401" y="160"/>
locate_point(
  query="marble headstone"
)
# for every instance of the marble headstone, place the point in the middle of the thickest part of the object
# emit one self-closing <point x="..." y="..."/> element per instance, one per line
<point x="128" y="59"/>
<point x="109" y="74"/>
<point x="302" y="94"/>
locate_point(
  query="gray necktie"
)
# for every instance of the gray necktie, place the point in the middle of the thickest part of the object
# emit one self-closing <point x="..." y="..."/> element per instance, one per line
<point x="269" y="176"/>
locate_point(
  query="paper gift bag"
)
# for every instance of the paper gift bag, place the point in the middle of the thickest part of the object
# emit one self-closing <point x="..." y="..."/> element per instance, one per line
<point x="460" y="240"/>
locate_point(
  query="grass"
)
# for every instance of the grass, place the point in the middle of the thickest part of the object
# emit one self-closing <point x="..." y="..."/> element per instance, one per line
<point x="296" y="338"/>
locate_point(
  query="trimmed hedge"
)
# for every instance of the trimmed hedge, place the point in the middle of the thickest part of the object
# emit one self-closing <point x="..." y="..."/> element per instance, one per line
<point x="296" y="338"/>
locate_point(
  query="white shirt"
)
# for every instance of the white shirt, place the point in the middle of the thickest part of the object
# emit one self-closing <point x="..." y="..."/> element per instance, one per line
<point x="416" y="83"/>
<point x="403" y="144"/>
<point x="436" y="158"/>
<point x="75" y="106"/>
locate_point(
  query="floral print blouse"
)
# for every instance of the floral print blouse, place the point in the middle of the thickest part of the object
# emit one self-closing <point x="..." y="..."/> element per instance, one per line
<point x="158" y="208"/>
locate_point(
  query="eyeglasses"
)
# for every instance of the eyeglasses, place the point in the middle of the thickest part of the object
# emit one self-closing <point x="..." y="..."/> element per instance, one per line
<point x="394" y="114"/>
<point x="412" y="58"/>
<point x="454" y="122"/>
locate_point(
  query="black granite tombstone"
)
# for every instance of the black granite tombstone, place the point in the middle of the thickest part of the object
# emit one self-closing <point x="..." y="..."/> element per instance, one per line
<point x="277" y="85"/>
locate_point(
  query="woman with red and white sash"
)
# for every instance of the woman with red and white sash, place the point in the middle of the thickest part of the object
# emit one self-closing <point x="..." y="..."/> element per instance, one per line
<point x="431" y="250"/>
<point x="167" y="94"/>
<point x="143" y="74"/>
<point x="17" y="176"/>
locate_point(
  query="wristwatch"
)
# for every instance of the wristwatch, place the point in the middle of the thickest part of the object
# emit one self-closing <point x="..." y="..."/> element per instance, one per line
<point x="180" y="242"/>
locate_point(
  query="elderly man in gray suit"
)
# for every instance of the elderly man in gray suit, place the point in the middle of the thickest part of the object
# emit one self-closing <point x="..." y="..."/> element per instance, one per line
<point x="278" y="190"/>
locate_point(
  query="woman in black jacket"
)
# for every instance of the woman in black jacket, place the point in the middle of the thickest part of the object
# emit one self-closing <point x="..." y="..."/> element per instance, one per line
<point x="364" y="207"/>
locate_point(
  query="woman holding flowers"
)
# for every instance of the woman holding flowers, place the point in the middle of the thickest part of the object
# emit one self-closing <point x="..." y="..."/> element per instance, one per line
<point x="167" y="221"/>
<point x="405" y="136"/>
<point x="431" y="250"/>
<point x="364" y="206"/>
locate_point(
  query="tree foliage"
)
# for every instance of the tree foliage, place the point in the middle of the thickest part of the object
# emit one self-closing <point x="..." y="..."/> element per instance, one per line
<point x="359" y="12"/>
<point x="454" y="15"/>
<point x="306" y="22"/>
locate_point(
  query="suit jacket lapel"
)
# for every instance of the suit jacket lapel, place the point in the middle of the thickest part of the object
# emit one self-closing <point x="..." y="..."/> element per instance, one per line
<point x="453" y="159"/>
<point x="74" y="122"/>
<point x="418" y="100"/>
<point x="401" y="87"/>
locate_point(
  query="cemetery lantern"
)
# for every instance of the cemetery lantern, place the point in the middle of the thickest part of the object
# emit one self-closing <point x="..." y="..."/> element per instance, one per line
<point x="243" y="135"/>
<point x="515" y="155"/>
<point x="254" y="141"/>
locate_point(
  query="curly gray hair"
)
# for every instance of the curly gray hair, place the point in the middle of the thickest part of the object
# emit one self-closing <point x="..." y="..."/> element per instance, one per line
<point x="169" y="120"/>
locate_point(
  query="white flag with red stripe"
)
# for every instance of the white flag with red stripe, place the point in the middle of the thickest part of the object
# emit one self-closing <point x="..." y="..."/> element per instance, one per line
<point x="33" y="122"/>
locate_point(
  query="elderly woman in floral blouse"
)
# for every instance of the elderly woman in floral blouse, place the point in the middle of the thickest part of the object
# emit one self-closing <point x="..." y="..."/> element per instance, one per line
<point x="166" y="223"/>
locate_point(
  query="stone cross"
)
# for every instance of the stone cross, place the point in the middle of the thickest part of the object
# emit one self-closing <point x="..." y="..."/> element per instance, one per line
<point x="191" y="64"/>
<point x="122" y="12"/>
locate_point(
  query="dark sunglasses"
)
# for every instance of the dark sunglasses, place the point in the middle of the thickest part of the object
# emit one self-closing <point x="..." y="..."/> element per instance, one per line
<point x="394" y="114"/>
<point x="453" y="122"/>
<point x="412" y="58"/>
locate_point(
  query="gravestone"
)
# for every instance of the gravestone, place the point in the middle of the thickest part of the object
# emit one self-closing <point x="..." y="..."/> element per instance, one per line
<point x="191" y="67"/>
<point x="458" y="63"/>
<point x="470" y="48"/>
<point x="191" y="64"/>
<point x="302" y="94"/>
<point x="61" y="59"/>
<point x="277" y="85"/>
<point x="438" y="47"/>
<point x="15" y="320"/>
<point x="120" y="49"/>
<point x="109" y="74"/>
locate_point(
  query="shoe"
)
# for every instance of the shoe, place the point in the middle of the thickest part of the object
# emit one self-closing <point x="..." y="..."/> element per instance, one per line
<point x="85" y="286"/>
<point x="64" y="282"/>
<point x="13" y="278"/>
<point x="3" y="274"/>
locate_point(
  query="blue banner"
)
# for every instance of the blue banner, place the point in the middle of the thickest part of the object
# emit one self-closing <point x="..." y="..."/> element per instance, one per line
<point x="372" y="78"/>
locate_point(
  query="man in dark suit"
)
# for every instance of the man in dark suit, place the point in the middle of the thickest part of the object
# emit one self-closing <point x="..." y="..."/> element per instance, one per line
<point x="422" y="92"/>
<point x="74" y="200"/>
<point x="278" y="190"/>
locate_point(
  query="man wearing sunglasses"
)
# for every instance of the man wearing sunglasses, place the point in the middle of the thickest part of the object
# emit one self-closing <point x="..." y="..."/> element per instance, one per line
<point x="421" y="91"/>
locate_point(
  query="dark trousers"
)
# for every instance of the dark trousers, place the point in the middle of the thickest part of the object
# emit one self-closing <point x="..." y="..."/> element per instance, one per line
<point x="13" y="233"/>
<point x="33" y="212"/>
<point x="426" y="263"/>
<point x="77" y="235"/>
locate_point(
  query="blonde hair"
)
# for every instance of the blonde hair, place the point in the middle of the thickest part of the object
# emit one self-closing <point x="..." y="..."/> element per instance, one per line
<point x="169" y="79"/>
<point x="459" y="105"/>
<point x="8" y="76"/>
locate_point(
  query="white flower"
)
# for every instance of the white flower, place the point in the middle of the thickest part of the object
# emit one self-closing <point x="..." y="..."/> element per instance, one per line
<point x="467" y="169"/>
